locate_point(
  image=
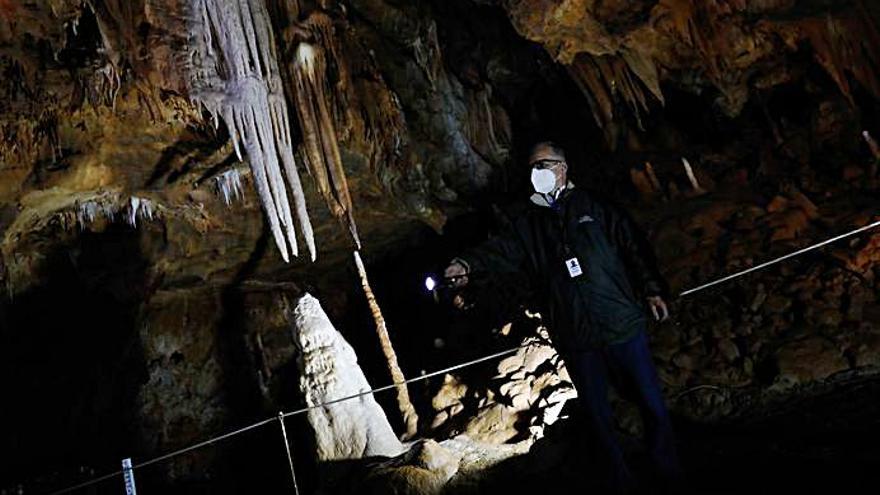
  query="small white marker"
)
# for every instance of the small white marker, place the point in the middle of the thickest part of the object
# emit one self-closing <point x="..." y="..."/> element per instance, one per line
<point x="128" y="474"/>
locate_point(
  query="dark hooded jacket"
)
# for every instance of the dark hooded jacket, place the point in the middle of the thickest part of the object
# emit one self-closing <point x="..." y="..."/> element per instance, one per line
<point x="606" y="303"/>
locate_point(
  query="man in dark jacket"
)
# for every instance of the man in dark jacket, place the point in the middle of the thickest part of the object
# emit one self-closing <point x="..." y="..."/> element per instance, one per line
<point x="596" y="274"/>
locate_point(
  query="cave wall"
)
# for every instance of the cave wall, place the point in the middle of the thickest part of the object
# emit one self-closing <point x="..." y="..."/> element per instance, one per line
<point x="435" y="103"/>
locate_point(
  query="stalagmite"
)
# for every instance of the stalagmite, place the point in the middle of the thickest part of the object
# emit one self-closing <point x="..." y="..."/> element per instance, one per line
<point x="241" y="84"/>
<point x="410" y="418"/>
<point x="349" y="429"/>
<point x="319" y="132"/>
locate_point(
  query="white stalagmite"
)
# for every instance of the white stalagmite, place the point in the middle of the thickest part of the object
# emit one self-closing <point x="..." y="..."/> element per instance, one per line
<point x="329" y="371"/>
<point x="241" y="85"/>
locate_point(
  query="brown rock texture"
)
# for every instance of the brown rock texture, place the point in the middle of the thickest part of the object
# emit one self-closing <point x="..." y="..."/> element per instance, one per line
<point x="142" y="287"/>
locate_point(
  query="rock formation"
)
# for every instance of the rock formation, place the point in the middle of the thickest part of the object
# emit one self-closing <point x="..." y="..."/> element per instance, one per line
<point x="329" y="371"/>
<point x="151" y="194"/>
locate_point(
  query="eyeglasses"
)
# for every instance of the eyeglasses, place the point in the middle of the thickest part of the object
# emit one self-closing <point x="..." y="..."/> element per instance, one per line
<point x="546" y="163"/>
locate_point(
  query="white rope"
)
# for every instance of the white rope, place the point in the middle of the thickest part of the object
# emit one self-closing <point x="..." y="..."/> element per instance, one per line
<point x="166" y="456"/>
<point x="781" y="258"/>
<point x="411" y="380"/>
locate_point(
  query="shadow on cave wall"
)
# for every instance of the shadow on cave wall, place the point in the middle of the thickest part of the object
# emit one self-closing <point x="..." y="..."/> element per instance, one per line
<point x="73" y="361"/>
<point x="258" y="454"/>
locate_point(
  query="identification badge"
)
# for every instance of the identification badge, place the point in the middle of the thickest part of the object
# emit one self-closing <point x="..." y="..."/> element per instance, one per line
<point x="574" y="267"/>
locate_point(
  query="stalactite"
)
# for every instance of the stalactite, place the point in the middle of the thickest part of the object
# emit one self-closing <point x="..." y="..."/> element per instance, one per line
<point x="487" y="126"/>
<point x="872" y="144"/>
<point x="655" y="183"/>
<point x="608" y="81"/>
<point x="108" y="207"/>
<point x="846" y="46"/>
<point x="410" y="418"/>
<point x="319" y="133"/>
<point x="228" y="185"/>
<point x="241" y="84"/>
<point x="364" y="114"/>
<point x="89" y="211"/>
<point x="689" y="171"/>
<point x="693" y="21"/>
<point x="139" y="208"/>
<point x="427" y="54"/>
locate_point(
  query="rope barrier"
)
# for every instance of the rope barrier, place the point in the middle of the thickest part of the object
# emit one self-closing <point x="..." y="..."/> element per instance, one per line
<point x="286" y="415"/>
<point x="281" y="416"/>
<point x="781" y="258"/>
<point x="411" y="380"/>
<point x="90" y="482"/>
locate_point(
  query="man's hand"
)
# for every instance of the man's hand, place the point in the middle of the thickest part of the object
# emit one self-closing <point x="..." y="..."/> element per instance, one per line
<point x="658" y="307"/>
<point x="456" y="273"/>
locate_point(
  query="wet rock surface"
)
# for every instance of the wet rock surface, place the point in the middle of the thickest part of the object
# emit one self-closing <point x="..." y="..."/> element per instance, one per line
<point x="143" y="292"/>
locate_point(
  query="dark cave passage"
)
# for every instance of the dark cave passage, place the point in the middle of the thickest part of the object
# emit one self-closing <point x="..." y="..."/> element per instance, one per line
<point x="73" y="360"/>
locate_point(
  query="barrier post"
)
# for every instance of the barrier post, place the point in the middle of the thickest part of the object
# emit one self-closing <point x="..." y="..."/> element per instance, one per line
<point x="128" y="475"/>
<point x="287" y="449"/>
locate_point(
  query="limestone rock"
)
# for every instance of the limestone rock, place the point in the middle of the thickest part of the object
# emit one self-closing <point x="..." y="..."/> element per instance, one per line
<point x="807" y="360"/>
<point x="422" y="470"/>
<point x="526" y="394"/>
<point x="867" y="351"/>
<point x="447" y="401"/>
<point x="494" y="424"/>
<point x="777" y="303"/>
<point x="728" y="349"/>
<point x="329" y="370"/>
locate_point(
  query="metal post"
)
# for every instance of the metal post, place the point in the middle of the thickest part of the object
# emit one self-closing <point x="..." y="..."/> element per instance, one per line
<point x="287" y="448"/>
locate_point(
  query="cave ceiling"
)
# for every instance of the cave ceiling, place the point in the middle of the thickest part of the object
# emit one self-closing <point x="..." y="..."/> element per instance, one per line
<point x="103" y="127"/>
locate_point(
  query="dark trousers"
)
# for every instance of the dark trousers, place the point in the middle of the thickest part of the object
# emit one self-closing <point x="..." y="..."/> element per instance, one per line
<point x="630" y="363"/>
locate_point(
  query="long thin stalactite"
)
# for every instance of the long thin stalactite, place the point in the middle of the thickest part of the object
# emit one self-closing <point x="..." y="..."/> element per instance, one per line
<point x="320" y="143"/>
<point x="410" y="418"/>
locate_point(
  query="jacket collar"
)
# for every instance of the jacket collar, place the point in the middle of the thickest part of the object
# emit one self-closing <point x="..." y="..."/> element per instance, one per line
<point x="544" y="200"/>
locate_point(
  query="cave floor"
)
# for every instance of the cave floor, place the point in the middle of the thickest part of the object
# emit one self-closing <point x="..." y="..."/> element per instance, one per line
<point x="826" y="442"/>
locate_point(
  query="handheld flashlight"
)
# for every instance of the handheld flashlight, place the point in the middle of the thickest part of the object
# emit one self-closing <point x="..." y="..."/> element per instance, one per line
<point x="437" y="283"/>
<point x="444" y="288"/>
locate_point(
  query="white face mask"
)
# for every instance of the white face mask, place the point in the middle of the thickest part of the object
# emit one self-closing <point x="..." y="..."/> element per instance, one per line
<point x="544" y="181"/>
